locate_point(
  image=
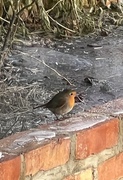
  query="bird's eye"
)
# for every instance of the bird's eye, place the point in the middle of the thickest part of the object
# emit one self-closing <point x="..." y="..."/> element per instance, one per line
<point x="71" y="94"/>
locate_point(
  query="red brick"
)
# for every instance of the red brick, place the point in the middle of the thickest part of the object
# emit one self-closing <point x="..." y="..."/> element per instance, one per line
<point x="83" y="175"/>
<point x="111" y="169"/>
<point x="47" y="156"/>
<point x="11" y="169"/>
<point x="96" y="139"/>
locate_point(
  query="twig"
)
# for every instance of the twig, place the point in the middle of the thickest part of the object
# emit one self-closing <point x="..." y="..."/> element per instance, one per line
<point x="42" y="61"/>
<point x="53" y="6"/>
<point x="57" y="73"/>
<point x="60" y="24"/>
<point x="57" y="21"/>
<point x="9" y="31"/>
<point x="5" y="20"/>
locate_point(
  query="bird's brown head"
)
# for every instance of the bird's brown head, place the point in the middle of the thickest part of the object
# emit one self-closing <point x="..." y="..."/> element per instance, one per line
<point x="69" y="93"/>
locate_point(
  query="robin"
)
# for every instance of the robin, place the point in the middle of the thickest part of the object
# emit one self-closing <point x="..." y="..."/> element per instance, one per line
<point x="61" y="103"/>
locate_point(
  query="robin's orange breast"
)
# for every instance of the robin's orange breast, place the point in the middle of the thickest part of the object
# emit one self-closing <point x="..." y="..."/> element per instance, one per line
<point x="71" y="101"/>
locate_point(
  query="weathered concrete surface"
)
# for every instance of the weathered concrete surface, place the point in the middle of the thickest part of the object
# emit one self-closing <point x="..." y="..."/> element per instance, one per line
<point x="76" y="59"/>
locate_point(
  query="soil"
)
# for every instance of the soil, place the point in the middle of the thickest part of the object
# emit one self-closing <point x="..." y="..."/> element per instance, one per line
<point x="92" y="64"/>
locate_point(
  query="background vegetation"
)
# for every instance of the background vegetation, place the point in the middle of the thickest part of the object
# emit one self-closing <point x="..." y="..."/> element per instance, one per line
<point x="59" y="17"/>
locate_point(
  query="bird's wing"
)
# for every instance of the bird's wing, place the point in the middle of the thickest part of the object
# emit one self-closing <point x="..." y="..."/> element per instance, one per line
<point x="59" y="103"/>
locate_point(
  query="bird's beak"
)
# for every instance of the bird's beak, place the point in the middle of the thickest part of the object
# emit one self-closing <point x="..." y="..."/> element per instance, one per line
<point x="78" y="99"/>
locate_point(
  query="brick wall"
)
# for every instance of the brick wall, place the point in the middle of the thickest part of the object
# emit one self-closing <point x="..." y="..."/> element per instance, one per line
<point x="88" y="146"/>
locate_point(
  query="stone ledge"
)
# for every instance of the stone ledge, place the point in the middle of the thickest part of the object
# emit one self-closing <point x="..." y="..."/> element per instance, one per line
<point x="53" y="145"/>
<point x="32" y="139"/>
<point x="112" y="108"/>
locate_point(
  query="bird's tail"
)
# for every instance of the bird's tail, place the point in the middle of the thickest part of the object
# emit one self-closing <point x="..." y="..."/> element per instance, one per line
<point x="41" y="105"/>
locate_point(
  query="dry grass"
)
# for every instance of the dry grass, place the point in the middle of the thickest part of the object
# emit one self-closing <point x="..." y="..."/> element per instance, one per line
<point x="16" y="107"/>
<point x="60" y="17"/>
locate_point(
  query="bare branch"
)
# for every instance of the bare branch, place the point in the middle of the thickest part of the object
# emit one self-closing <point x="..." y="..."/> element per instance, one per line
<point x="11" y="33"/>
<point x="42" y="61"/>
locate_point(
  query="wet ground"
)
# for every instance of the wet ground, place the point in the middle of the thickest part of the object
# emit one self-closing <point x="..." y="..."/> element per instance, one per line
<point x="93" y="64"/>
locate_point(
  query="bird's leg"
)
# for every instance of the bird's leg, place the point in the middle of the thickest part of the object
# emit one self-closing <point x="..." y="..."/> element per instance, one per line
<point x="56" y="117"/>
<point x="63" y="117"/>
